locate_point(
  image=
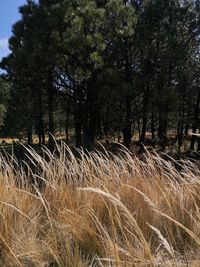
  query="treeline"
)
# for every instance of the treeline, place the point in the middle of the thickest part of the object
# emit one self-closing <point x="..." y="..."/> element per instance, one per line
<point x="120" y="66"/>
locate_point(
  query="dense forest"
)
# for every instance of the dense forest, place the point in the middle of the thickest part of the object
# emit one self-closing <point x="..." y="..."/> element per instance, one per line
<point x="96" y="68"/>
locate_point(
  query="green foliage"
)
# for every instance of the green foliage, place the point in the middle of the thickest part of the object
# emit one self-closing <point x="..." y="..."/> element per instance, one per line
<point x="110" y="60"/>
<point x="4" y="98"/>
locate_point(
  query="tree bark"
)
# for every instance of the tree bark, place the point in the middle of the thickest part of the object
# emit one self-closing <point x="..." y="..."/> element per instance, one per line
<point x="195" y="123"/>
<point x="127" y="134"/>
<point x="77" y="116"/>
<point x="51" y="117"/>
<point x="29" y="133"/>
<point x="67" y="122"/>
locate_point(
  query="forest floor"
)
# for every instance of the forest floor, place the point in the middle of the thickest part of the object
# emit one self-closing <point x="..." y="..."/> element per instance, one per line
<point x="17" y="147"/>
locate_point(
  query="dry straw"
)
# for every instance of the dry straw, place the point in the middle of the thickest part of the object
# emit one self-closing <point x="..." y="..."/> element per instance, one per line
<point x="73" y="208"/>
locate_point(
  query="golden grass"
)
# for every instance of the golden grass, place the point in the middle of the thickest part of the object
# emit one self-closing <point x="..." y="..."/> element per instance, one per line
<point x="98" y="209"/>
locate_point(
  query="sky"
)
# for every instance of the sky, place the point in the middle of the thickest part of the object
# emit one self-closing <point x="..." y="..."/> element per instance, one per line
<point x="8" y="16"/>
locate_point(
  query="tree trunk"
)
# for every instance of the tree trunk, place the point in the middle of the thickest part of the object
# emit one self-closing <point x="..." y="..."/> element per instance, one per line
<point x="187" y="126"/>
<point x="186" y="129"/>
<point x="39" y="116"/>
<point x="127" y="134"/>
<point x="198" y="147"/>
<point x="180" y="136"/>
<point x="51" y="117"/>
<point x="85" y="123"/>
<point x="29" y="134"/>
<point x="67" y="122"/>
<point x="182" y="113"/>
<point x="152" y="124"/>
<point x="195" y="123"/>
<point x="145" y="115"/>
<point x="78" y="127"/>
<point x="90" y="116"/>
<point x="146" y="94"/>
<point x="192" y="145"/>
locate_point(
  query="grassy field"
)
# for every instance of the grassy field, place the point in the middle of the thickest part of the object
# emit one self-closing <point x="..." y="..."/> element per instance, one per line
<point x="99" y="209"/>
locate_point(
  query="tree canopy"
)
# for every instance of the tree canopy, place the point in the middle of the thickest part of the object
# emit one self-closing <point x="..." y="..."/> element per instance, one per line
<point x="105" y="66"/>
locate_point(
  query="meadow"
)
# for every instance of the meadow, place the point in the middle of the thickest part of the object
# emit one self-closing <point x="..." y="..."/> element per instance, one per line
<point x="97" y="208"/>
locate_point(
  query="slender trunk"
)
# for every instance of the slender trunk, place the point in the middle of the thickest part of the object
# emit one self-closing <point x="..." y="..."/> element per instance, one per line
<point x="187" y="129"/>
<point x="107" y="119"/>
<point x="119" y="126"/>
<point x="85" y="118"/>
<point x="60" y="128"/>
<point x="192" y="145"/>
<point x="40" y="130"/>
<point x="162" y="129"/>
<point x="29" y="134"/>
<point x="78" y="98"/>
<point x="198" y="147"/>
<point x="182" y="114"/>
<point x="138" y="125"/>
<point x="144" y="128"/>
<point x="78" y="130"/>
<point x="180" y="136"/>
<point x="145" y="114"/>
<point x="67" y="122"/>
<point x="187" y="126"/>
<point x="195" y="123"/>
<point x="39" y="138"/>
<point x="152" y="124"/>
<point x="92" y="124"/>
<point x="90" y="116"/>
<point x="127" y="129"/>
<point x="160" y="126"/>
<point x="100" y="128"/>
<point x="165" y="120"/>
<point x="146" y="96"/>
<point x="43" y="137"/>
<point x="163" y="114"/>
<point x="51" y="117"/>
<point x="39" y="116"/>
<point x="78" y="127"/>
<point x="67" y="130"/>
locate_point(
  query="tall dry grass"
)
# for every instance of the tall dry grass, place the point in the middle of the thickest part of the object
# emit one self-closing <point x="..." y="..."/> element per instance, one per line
<point x="98" y="209"/>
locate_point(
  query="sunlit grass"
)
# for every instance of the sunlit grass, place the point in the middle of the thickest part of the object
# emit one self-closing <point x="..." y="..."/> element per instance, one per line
<point x="99" y="209"/>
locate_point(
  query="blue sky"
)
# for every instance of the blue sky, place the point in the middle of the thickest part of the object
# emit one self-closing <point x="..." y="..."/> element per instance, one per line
<point x="8" y="16"/>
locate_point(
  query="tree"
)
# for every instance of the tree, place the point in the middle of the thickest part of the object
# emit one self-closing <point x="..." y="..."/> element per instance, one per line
<point x="116" y="66"/>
